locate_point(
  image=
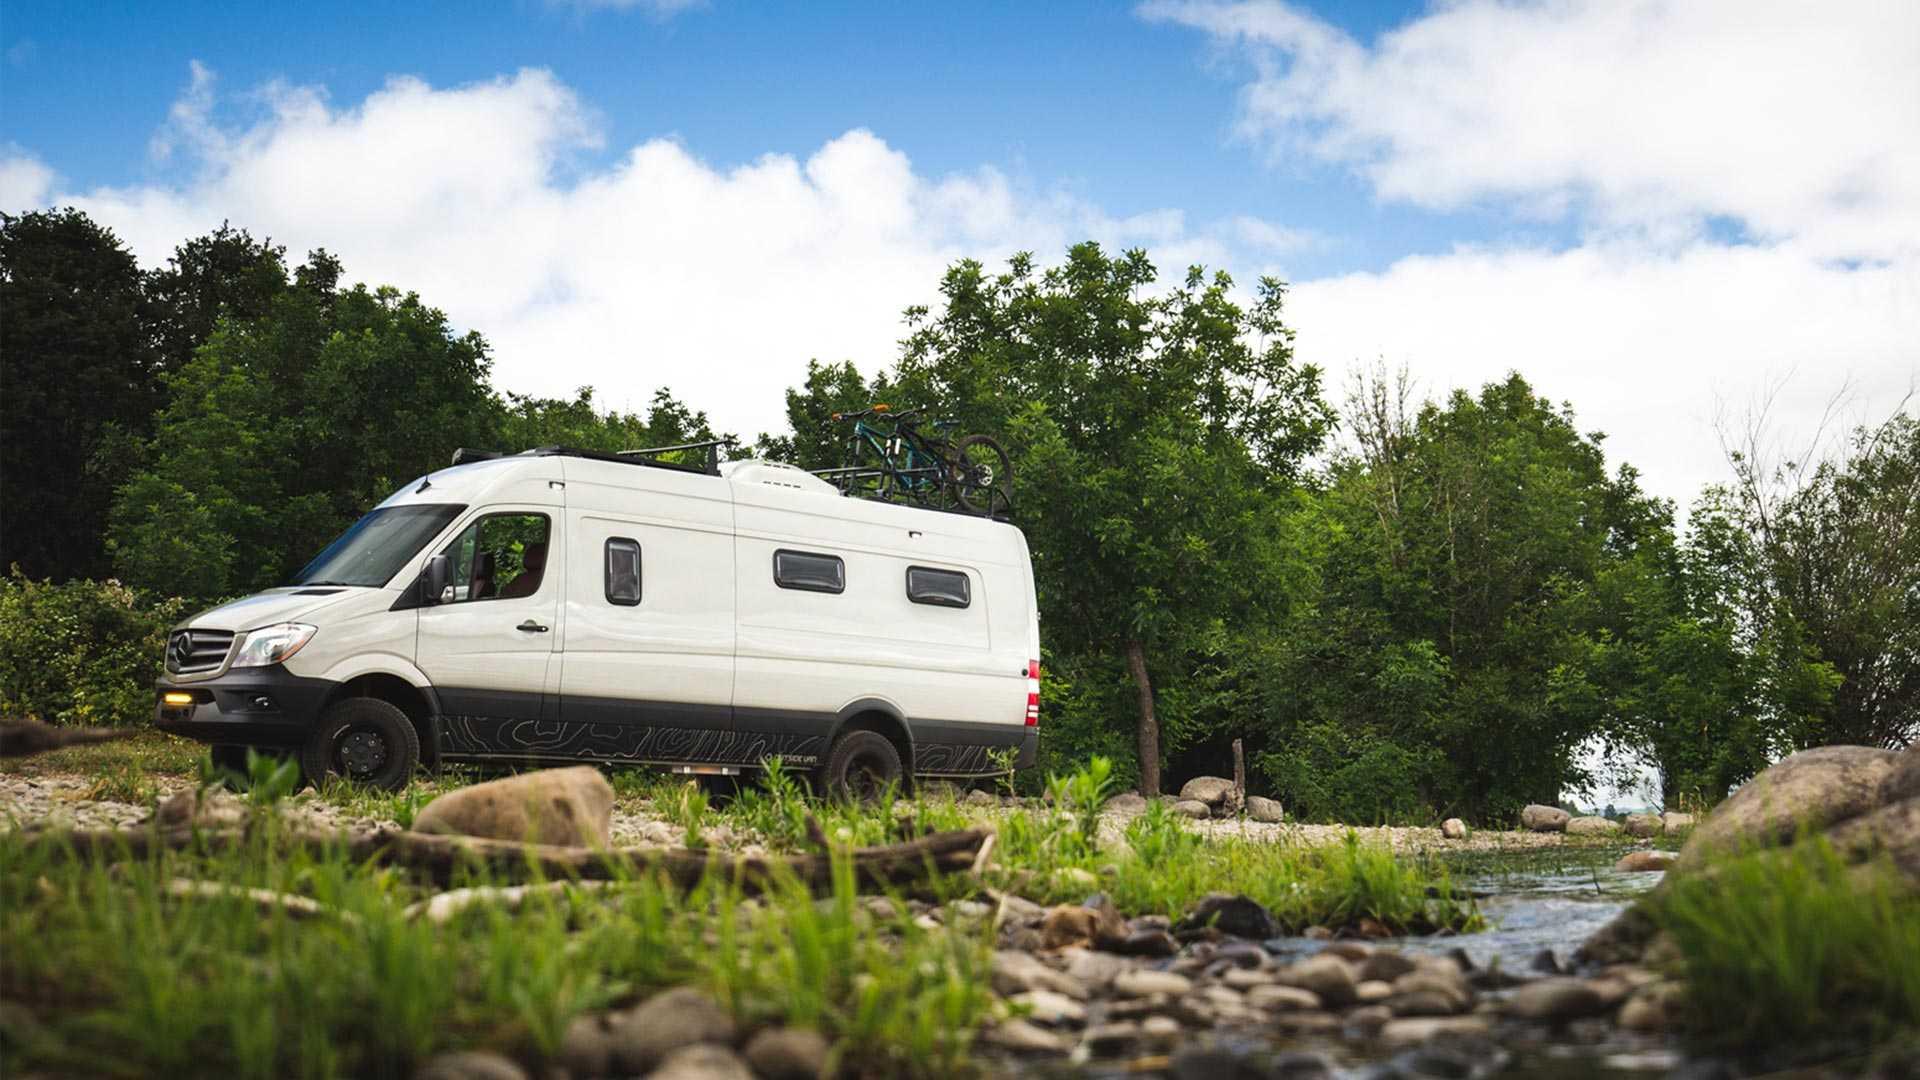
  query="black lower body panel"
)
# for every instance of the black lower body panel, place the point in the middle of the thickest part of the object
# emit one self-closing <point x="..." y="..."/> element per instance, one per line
<point x="265" y="706"/>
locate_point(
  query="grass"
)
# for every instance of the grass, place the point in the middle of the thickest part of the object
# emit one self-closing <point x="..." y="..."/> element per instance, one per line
<point x="1794" y="948"/>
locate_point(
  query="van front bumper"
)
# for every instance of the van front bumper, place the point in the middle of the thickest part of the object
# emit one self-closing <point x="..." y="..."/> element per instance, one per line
<point x="266" y="706"/>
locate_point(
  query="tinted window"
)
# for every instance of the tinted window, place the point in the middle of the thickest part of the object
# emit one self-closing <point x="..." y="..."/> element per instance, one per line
<point x="499" y="556"/>
<point x="623" y="571"/>
<point x="944" y="588"/>
<point x="374" y="548"/>
<point x="814" y="573"/>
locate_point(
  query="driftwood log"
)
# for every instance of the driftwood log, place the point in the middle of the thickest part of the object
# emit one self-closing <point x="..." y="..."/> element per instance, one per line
<point x="25" y="738"/>
<point x="439" y="856"/>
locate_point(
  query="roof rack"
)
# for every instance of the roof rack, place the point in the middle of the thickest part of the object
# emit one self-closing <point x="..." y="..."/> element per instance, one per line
<point x="711" y="446"/>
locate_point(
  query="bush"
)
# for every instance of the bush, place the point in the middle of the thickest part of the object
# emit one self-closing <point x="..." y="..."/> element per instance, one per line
<point x="83" y="652"/>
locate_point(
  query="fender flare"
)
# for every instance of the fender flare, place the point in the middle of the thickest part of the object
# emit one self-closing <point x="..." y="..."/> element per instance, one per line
<point x="885" y="708"/>
<point x="386" y="664"/>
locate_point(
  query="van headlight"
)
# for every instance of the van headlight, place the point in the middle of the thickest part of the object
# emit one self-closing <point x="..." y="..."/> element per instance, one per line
<point x="271" y="644"/>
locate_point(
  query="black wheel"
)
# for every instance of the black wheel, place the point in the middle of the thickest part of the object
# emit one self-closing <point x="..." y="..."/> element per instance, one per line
<point x="232" y="761"/>
<point x="862" y="766"/>
<point x="365" y="740"/>
<point x="983" y="480"/>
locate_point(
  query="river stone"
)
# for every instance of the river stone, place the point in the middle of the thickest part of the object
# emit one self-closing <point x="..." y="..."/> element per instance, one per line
<point x="1654" y="1007"/>
<point x="1418" y="1029"/>
<point x="1329" y="977"/>
<point x="1144" y="982"/>
<point x="1591" y="826"/>
<point x="1811" y="789"/>
<point x="666" y="1022"/>
<point x="1241" y="916"/>
<point x="1051" y="1008"/>
<point x="1110" y="1038"/>
<point x="1893" y="831"/>
<point x="1453" y="829"/>
<point x="1217" y="792"/>
<point x="1016" y="972"/>
<point x="1555" y="1000"/>
<point x="1643" y="825"/>
<point x="1372" y="991"/>
<point x="586" y="1049"/>
<point x="702" y="1061"/>
<point x="1538" y="818"/>
<point x="1192" y="808"/>
<point x="1673" y="823"/>
<point x="571" y="807"/>
<point x="1634" y="862"/>
<point x="1446" y="981"/>
<point x="788" y="1053"/>
<point x="1265" y="810"/>
<point x="1386" y="965"/>
<point x="1127" y="802"/>
<point x="1903" y="780"/>
<point x="1093" y="969"/>
<point x="1282" y="998"/>
<point x="1026" y="1038"/>
<point x="470" y="1065"/>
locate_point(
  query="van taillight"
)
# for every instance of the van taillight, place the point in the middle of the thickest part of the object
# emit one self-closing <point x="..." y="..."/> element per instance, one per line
<point x="1033" y="693"/>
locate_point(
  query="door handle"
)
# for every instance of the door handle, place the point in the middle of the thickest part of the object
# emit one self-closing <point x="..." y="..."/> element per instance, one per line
<point x="532" y="627"/>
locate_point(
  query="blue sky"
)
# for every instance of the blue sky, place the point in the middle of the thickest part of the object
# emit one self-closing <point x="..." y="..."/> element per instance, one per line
<point x="1669" y="213"/>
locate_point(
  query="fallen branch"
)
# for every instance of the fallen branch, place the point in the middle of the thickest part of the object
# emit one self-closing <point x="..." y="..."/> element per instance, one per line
<point x="440" y="856"/>
<point x="25" y="738"/>
<point x="299" y="907"/>
<point x="444" y="906"/>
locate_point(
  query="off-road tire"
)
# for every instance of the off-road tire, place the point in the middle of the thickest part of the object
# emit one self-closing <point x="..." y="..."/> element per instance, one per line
<point x="862" y="765"/>
<point x="339" y="742"/>
<point x="982" y="494"/>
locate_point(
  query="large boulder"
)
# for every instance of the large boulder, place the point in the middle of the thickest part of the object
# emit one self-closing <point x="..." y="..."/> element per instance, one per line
<point x="1903" y="780"/>
<point x="1592" y="826"/>
<point x="1263" y="809"/>
<point x="1673" y="823"/>
<point x="1538" y="818"/>
<point x="1644" y="825"/>
<point x="1810" y="790"/>
<point x="553" y="806"/>
<point x="1892" y="831"/>
<point x="1217" y="792"/>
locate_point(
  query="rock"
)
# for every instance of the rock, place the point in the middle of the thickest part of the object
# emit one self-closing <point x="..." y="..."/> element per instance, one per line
<point x="1546" y="961"/>
<point x="570" y="807"/>
<point x="1282" y="998"/>
<point x="1655" y="1007"/>
<point x="1372" y="991"/>
<point x="1307" y="1022"/>
<point x="1160" y="1028"/>
<point x="586" y="1049"/>
<point x="1385" y="966"/>
<point x="1238" y="1062"/>
<point x="1240" y="978"/>
<point x="1419" y="1029"/>
<point x="1127" y="802"/>
<point x="1051" y="1008"/>
<point x="1366" y="1021"/>
<point x="1903" y="779"/>
<point x="1192" y="808"/>
<point x="1240" y="916"/>
<point x="1643" y="825"/>
<point x="1156" y="943"/>
<point x="1644" y="861"/>
<point x="1538" y="818"/>
<point x="1418" y="989"/>
<point x="1674" y="823"/>
<point x="976" y="797"/>
<point x="1216" y="792"/>
<point x="1811" y="789"/>
<point x="1591" y="826"/>
<point x="702" y="1061"/>
<point x="1329" y="977"/>
<point x="1017" y="972"/>
<point x="211" y="808"/>
<point x="470" y="1065"/>
<point x="1453" y="829"/>
<point x="1265" y="810"/>
<point x="1110" y="1038"/>
<point x="1891" y="831"/>
<point x="788" y="1053"/>
<point x="1092" y="970"/>
<point x="1143" y="982"/>
<point x="1017" y="909"/>
<point x="665" y="1023"/>
<point x="1554" y="1000"/>
<point x="1026" y="1038"/>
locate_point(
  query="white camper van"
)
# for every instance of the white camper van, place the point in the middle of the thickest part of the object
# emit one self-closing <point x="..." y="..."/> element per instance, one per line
<point x="571" y="606"/>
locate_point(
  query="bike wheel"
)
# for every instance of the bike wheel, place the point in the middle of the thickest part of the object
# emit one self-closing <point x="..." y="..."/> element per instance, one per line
<point x="983" y="483"/>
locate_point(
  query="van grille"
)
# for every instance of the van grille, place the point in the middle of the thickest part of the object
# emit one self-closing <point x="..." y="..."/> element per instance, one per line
<point x="189" y="651"/>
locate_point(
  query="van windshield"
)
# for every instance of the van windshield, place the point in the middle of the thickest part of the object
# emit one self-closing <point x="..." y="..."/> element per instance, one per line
<point x="378" y="545"/>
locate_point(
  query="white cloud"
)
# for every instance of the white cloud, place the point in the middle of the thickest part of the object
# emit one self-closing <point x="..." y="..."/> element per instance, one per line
<point x="24" y="179"/>
<point x="654" y="269"/>
<point x="1799" y="120"/>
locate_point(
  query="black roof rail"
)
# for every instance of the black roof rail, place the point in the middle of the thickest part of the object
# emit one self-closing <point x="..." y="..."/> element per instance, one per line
<point x="711" y="446"/>
<point x="711" y="467"/>
<point x="467" y="455"/>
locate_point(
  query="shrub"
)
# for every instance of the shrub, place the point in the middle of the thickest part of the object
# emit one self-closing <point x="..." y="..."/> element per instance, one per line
<point x="83" y="652"/>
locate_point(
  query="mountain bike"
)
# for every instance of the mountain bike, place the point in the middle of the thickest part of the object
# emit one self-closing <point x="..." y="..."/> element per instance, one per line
<point x="902" y="455"/>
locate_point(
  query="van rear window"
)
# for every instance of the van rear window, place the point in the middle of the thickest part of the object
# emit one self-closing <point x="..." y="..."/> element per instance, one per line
<point x="623" y="571"/>
<point x="810" y="572"/>
<point x="942" y="588"/>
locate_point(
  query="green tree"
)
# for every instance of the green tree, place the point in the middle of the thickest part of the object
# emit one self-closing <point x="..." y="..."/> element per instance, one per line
<point x="528" y="422"/>
<point x="814" y="440"/>
<point x="77" y="383"/>
<point x="224" y="273"/>
<point x="1155" y="435"/>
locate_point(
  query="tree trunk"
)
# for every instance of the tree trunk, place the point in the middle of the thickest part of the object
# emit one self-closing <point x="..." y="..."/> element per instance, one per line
<point x="1149" y="724"/>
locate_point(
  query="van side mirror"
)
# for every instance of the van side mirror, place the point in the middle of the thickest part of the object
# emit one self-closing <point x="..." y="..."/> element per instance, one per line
<point x="434" y="578"/>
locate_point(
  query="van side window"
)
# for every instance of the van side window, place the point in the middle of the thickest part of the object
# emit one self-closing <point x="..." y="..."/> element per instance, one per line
<point x="623" y="571"/>
<point x="813" y="573"/>
<point x="942" y="588"/>
<point x="498" y="557"/>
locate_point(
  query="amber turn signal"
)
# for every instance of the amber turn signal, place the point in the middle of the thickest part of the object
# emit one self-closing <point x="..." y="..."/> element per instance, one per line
<point x="177" y="698"/>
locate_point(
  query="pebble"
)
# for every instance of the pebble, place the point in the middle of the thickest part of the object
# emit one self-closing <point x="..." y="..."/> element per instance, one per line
<point x="788" y="1053"/>
<point x="665" y="1023"/>
<point x="1014" y="972"/>
<point x="1051" y="1008"/>
<point x="1247" y="978"/>
<point x="1282" y="998"/>
<point x="1371" y="991"/>
<point x="1420" y="1029"/>
<point x="1327" y="976"/>
<point x="1143" y="982"/>
<point x="1555" y="1000"/>
<point x="1385" y="966"/>
<point x="702" y="1061"/>
<point x="1453" y="829"/>
<point x="1102" y="1039"/>
<point x="470" y="1065"/>
<point x="1027" y="1038"/>
<point x="1645" y="861"/>
<point x="1092" y="970"/>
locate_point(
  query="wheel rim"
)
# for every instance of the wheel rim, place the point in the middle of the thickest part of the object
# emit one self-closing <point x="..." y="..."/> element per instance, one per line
<point x="361" y="752"/>
<point x="868" y="777"/>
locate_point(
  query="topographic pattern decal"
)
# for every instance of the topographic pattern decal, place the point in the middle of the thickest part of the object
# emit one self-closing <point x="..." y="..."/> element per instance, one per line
<point x="624" y="742"/>
<point x="952" y="759"/>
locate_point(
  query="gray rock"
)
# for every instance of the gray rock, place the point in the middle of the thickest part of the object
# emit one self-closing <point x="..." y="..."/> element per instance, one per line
<point x="1673" y="823"/>
<point x="586" y="1049"/>
<point x="1453" y="829"/>
<point x="666" y="1022"/>
<point x="1372" y="991"/>
<point x="1891" y="831"/>
<point x="788" y="1053"/>
<point x="571" y="807"/>
<point x="1216" y="792"/>
<point x="1240" y="978"/>
<point x="702" y="1061"/>
<point x="1127" y="802"/>
<point x="1811" y="789"/>
<point x="1282" y="998"/>
<point x="1591" y="826"/>
<point x="1385" y="965"/>
<point x="1241" y="916"/>
<point x="1050" y="1007"/>
<point x="1419" y="1029"/>
<point x="1654" y="1007"/>
<point x="1903" y="780"/>
<point x="1634" y="862"/>
<point x="1018" y="972"/>
<point x="1026" y="1038"/>
<point x="1147" y="943"/>
<point x="1143" y="982"/>
<point x="1329" y="977"/>
<point x="1192" y="808"/>
<point x="976" y="797"/>
<point x="1418" y="987"/>
<point x="1538" y="818"/>
<point x="1555" y="1000"/>
<point x="1092" y="969"/>
<point x="1643" y="825"/>
<point x="470" y="1065"/>
<point x="1102" y="1039"/>
<point x="1162" y="1029"/>
<point x="1265" y="810"/>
